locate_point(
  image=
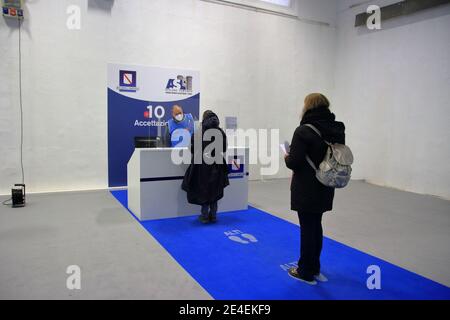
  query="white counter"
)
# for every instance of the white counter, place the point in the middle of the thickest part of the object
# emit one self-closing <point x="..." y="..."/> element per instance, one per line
<point x="154" y="185"/>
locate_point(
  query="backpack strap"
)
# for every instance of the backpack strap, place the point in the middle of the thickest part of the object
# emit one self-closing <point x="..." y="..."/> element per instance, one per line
<point x="318" y="132"/>
<point x="311" y="163"/>
<point x="314" y="128"/>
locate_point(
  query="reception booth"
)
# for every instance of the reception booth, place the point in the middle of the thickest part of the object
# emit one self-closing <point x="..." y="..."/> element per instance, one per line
<point x="154" y="184"/>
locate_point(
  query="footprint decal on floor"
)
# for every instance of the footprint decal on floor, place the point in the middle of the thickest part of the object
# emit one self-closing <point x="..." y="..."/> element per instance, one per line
<point x="238" y="239"/>
<point x="241" y="237"/>
<point x="249" y="237"/>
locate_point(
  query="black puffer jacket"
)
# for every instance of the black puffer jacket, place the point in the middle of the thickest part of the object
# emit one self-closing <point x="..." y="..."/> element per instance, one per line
<point x="307" y="193"/>
<point x="205" y="183"/>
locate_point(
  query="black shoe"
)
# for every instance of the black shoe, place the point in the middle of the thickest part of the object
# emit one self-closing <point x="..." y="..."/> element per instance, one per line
<point x="203" y="219"/>
<point x="293" y="272"/>
<point x="213" y="212"/>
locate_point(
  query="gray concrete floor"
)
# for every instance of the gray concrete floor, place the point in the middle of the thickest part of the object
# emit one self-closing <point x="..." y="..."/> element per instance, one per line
<point x="120" y="260"/>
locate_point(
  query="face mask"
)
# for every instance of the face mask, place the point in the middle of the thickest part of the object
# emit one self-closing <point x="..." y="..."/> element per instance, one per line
<point x="179" y="117"/>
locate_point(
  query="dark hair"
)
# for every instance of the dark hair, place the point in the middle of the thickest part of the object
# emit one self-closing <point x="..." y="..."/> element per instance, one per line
<point x="210" y="119"/>
<point x="207" y="114"/>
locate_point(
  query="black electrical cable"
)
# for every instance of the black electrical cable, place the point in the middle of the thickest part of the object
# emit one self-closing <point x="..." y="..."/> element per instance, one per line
<point x="21" y="107"/>
<point x="21" y="104"/>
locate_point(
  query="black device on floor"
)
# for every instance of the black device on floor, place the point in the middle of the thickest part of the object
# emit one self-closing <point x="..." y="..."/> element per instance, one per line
<point x="18" y="196"/>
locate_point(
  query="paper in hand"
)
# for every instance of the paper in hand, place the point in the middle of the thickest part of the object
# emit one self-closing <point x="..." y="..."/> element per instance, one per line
<point x="285" y="147"/>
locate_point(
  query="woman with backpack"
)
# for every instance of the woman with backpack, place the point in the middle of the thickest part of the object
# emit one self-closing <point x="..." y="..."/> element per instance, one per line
<point x="310" y="197"/>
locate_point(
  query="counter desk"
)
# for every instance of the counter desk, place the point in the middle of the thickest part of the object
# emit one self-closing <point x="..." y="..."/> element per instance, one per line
<point x="154" y="184"/>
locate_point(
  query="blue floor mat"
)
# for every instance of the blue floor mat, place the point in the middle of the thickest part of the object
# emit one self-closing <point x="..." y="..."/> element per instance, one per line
<point x="246" y="255"/>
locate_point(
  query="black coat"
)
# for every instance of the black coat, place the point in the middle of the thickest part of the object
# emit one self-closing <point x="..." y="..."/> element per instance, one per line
<point x="307" y="193"/>
<point x="205" y="183"/>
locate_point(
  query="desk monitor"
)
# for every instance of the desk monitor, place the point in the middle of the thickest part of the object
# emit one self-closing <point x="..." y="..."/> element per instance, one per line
<point x="146" y="142"/>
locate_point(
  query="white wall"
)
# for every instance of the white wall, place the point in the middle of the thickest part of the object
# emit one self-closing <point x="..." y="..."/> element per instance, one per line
<point x="389" y="86"/>
<point x="392" y="89"/>
<point x="255" y="66"/>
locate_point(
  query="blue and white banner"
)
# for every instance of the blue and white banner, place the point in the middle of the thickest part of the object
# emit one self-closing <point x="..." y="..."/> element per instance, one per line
<point x="140" y="99"/>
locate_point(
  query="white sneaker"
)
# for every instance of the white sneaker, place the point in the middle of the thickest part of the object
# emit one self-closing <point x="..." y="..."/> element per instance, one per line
<point x="321" y="278"/>
<point x="311" y="283"/>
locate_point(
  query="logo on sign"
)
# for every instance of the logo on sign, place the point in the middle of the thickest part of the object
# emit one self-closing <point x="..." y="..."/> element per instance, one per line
<point x="180" y="85"/>
<point x="236" y="166"/>
<point x="128" y="81"/>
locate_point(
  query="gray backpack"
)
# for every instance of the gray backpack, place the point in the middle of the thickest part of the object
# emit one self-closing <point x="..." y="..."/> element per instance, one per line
<point x="335" y="169"/>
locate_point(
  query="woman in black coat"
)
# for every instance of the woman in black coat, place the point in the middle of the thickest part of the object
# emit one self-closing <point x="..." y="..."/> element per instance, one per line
<point x="207" y="176"/>
<point x="309" y="197"/>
